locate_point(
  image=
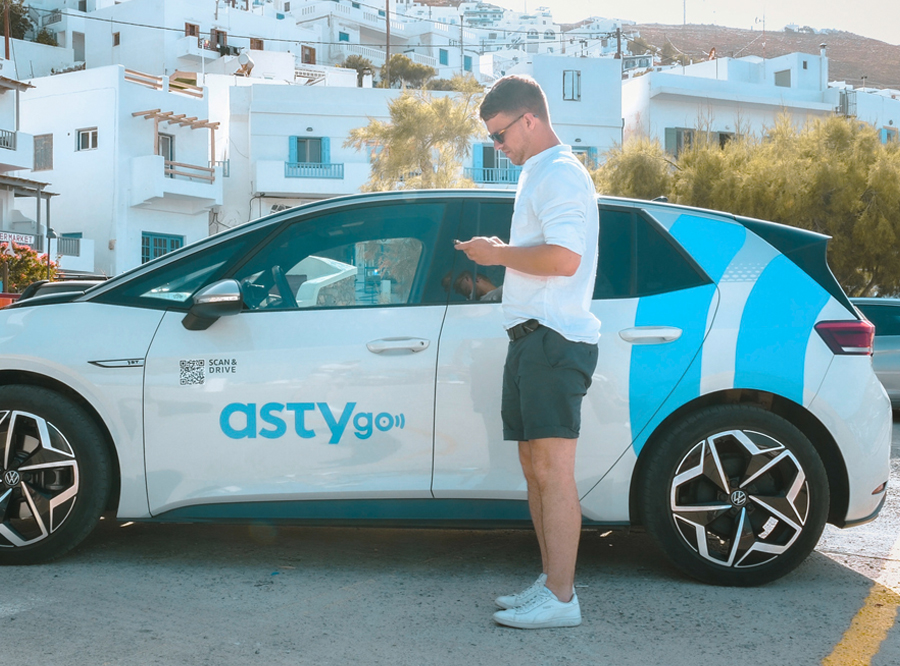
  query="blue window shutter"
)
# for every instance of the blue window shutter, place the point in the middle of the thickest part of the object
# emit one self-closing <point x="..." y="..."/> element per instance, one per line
<point x="292" y="149"/>
<point x="478" y="156"/>
<point x="671" y="141"/>
<point x="326" y="150"/>
<point x="593" y="156"/>
<point x="884" y="135"/>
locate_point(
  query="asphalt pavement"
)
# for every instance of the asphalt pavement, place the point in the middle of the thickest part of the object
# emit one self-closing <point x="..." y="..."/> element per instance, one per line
<point x="180" y="595"/>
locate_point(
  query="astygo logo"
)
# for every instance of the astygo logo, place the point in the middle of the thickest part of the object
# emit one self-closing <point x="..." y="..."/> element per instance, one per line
<point x="243" y="420"/>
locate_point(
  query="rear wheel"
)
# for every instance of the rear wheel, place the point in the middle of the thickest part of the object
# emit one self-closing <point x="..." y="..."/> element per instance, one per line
<point x="54" y="475"/>
<point x="735" y="495"/>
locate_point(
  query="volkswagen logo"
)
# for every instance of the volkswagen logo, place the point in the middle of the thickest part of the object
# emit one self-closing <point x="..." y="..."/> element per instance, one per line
<point x="11" y="478"/>
<point x="739" y="498"/>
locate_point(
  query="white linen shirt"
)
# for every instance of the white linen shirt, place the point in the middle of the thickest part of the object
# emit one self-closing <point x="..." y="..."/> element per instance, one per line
<point x="556" y="204"/>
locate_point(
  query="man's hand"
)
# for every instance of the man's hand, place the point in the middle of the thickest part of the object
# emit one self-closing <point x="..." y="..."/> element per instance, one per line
<point x="482" y="250"/>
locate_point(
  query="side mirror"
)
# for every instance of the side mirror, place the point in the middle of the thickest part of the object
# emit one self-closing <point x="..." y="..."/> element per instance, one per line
<point x="220" y="299"/>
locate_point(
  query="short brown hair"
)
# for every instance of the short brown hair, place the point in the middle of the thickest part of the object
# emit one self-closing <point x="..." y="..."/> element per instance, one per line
<point x="514" y="94"/>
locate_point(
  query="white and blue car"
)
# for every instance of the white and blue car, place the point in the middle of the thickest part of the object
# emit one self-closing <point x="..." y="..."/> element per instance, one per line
<point x="341" y="362"/>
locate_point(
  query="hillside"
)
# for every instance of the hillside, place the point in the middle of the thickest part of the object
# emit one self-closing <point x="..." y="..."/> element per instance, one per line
<point x="850" y="57"/>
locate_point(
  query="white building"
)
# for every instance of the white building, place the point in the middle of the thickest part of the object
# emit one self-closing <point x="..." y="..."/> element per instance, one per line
<point x="731" y="96"/>
<point x="585" y="100"/>
<point x="130" y="157"/>
<point x="165" y="36"/>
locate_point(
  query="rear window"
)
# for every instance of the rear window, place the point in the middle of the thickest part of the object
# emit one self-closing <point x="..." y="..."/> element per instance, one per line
<point x="638" y="258"/>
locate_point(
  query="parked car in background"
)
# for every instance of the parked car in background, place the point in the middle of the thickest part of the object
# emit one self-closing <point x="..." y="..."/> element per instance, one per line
<point x="884" y="313"/>
<point x="45" y="287"/>
<point x="322" y="364"/>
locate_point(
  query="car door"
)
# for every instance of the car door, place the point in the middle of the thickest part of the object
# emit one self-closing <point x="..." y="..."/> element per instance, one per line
<point x="652" y="301"/>
<point x="323" y="387"/>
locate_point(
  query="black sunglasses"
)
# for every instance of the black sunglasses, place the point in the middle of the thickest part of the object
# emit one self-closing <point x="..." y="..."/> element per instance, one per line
<point x="498" y="135"/>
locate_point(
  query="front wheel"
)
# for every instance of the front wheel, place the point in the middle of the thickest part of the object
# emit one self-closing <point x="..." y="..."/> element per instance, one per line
<point x="734" y="495"/>
<point x="54" y="475"/>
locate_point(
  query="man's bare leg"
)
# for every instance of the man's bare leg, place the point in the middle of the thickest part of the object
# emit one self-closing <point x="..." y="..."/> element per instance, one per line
<point x="552" y="466"/>
<point x="534" y="500"/>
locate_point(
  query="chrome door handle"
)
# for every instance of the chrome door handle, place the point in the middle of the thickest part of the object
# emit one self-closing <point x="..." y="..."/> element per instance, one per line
<point x="650" y="335"/>
<point x="397" y="344"/>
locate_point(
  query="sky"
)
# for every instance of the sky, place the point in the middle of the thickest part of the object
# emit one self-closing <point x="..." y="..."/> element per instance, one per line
<point x="878" y="19"/>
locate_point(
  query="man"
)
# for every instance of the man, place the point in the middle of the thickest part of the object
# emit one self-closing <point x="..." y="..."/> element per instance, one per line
<point x="551" y="262"/>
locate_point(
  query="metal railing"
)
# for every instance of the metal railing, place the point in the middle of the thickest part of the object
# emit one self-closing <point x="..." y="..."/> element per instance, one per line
<point x="495" y="175"/>
<point x="226" y="167"/>
<point x="54" y="16"/>
<point x="7" y="139"/>
<point x="313" y="170"/>
<point x="69" y="247"/>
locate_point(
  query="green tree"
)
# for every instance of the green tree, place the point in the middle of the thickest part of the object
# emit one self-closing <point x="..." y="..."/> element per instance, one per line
<point x="25" y="267"/>
<point x="424" y="143"/>
<point x="19" y="23"/>
<point x="639" y="46"/>
<point x="672" y="56"/>
<point x="46" y="37"/>
<point x="404" y="70"/>
<point x="460" y="83"/>
<point x="362" y="66"/>
<point x="639" y="169"/>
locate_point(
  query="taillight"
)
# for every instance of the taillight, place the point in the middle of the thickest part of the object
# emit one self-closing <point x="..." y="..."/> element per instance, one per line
<point x="848" y="337"/>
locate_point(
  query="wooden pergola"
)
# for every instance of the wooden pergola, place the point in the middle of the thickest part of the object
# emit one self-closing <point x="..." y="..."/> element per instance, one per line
<point x="182" y="120"/>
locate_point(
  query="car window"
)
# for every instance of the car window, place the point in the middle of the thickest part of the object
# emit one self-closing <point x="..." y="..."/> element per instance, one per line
<point x="172" y="285"/>
<point x="638" y="258"/>
<point x="356" y="257"/>
<point x="469" y="282"/>
<point x="886" y="318"/>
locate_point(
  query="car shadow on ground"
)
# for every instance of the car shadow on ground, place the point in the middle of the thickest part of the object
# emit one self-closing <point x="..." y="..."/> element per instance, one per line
<point x="233" y="593"/>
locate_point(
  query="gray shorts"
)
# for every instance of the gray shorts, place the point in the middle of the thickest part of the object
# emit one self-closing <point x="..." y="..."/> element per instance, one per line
<point x="544" y="380"/>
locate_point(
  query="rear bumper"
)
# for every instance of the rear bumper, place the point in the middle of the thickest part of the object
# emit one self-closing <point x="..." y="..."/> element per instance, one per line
<point x="852" y="404"/>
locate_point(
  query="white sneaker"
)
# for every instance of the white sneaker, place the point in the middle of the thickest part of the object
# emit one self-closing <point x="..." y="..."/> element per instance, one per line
<point x="542" y="612"/>
<point x="523" y="597"/>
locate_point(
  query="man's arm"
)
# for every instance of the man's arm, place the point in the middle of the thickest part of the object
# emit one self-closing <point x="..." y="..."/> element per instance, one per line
<point x="542" y="260"/>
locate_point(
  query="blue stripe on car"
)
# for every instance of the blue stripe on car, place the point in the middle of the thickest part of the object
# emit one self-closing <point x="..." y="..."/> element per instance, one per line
<point x="656" y="370"/>
<point x="775" y="329"/>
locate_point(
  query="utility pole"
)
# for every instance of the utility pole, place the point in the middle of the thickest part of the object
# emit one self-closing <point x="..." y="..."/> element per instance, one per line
<point x="6" y="26"/>
<point x="619" y="43"/>
<point x="387" y="46"/>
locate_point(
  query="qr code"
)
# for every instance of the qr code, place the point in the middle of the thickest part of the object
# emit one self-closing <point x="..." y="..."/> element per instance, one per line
<point x="192" y="372"/>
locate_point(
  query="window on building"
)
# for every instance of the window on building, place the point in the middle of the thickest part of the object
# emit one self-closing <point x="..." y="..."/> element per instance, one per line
<point x="783" y="78"/>
<point x="805" y="64"/>
<point x="467" y="63"/>
<point x="256" y="44"/>
<point x="287" y="6"/>
<point x="87" y="139"/>
<point x="443" y="56"/>
<point x="155" y="245"/>
<point x="572" y="85"/>
<point x="532" y="34"/>
<point x="549" y="34"/>
<point x="191" y="30"/>
<point x="308" y="150"/>
<point x="43" y="152"/>
<point x="218" y="38"/>
<point x="677" y="139"/>
<point x="888" y="135"/>
<point x="116" y="39"/>
<point x="343" y="36"/>
<point x="307" y="55"/>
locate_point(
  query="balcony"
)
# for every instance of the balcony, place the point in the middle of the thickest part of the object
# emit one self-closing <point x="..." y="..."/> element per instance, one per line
<point x="497" y="176"/>
<point x="275" y="178"/>
<point x="16" y="150"/>
<point x="161" y="184"/>
<point x="196" y="49"/>
<point x="313" y="170"/>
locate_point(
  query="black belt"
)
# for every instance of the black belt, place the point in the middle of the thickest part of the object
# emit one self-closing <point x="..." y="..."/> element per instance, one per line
<point x="523" y="329"/>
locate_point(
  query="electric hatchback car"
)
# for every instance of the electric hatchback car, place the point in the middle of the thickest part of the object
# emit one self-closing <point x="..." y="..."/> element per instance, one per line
<point x="338" y="362"/>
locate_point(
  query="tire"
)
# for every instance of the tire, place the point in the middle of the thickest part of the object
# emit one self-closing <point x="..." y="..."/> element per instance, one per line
<point x="734" y="495"/>
<point x="54" y="475"/>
